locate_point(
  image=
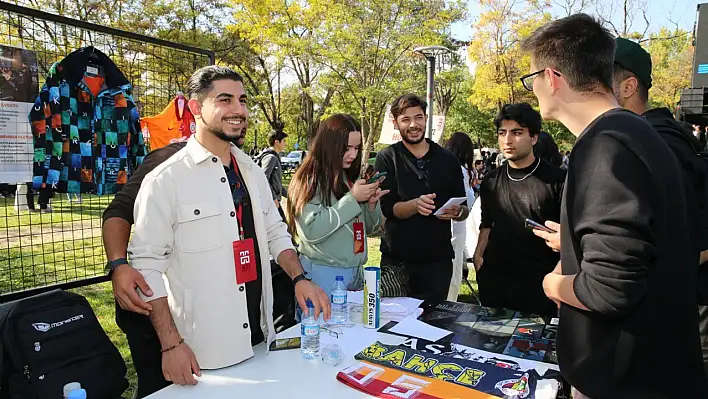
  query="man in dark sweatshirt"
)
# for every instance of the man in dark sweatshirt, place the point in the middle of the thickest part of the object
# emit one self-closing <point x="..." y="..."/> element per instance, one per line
<point x="631" y="84"/>
<point x="627" y="314"/>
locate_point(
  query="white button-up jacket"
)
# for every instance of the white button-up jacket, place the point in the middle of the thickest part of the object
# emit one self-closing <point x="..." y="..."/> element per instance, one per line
<point x="183" y="245"/>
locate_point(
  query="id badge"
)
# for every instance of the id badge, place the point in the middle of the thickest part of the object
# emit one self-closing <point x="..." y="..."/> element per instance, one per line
<point x="244" y="258"/>
<point x="358" y="237"/>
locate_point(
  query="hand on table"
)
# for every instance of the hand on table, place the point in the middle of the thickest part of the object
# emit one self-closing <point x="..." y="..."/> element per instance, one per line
<point x="125" y="280"/>
<point x="180" y="364"/>
<point x="553" y="240"/>
<point x="305" y="290"/>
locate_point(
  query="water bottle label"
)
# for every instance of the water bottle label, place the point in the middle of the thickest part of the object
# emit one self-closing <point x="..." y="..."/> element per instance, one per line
<point x="339" y="299"/>
<point x="310" y="330"/>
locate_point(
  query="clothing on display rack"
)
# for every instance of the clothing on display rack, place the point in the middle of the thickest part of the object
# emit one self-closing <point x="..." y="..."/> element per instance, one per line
<point x="86" y="129"/>
<point x="174" y="122"/>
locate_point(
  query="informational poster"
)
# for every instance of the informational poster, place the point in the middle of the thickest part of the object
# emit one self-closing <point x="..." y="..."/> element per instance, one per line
<point x="390" y="135"/>
<point x="19" y="86"/>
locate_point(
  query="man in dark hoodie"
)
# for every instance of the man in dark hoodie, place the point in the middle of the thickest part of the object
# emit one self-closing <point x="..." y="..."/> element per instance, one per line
<point x="631" y="81"/>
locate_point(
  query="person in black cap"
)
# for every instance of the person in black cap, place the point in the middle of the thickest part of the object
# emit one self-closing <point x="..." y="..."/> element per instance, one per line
<point x="632" y="81"/>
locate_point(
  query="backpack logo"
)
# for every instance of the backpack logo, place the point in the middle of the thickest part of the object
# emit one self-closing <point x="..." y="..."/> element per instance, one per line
<point x="44" y="327"/>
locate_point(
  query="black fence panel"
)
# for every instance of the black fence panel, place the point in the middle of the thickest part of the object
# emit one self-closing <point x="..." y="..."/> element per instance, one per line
<point x="63" y="246"/>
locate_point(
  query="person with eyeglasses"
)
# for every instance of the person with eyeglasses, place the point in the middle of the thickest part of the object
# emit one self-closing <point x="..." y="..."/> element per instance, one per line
<point x="509" y="260"/>
<point x="627" y="257"/>
<point x="331" y="209"/>
<point x="206" y="223"/>
<point x="421" y="177"/>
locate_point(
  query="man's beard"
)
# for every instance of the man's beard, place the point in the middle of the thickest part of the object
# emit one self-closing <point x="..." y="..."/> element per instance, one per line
<point x="238" y="141"/>
<point x="405" y="138"/>
<point x="518" y="157"/>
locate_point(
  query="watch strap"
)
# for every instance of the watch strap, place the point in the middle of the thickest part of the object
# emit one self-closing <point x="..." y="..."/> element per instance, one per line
<point x="299" y="278"/>
<point x="112" y="264"/>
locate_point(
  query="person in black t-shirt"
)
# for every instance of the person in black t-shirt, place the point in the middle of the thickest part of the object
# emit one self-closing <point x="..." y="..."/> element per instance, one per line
<point x="627" y="264"/>
<point x="422" y="177"/>
<point x="510" y="261"/>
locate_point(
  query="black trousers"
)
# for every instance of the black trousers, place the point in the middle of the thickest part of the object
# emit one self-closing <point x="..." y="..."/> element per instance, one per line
<point x="429" y="281"/>
<point x="498" y="289"/>
<point x="144" y="349"/>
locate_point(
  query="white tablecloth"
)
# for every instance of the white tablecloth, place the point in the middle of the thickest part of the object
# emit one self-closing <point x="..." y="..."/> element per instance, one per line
<point x="283" y="374"/>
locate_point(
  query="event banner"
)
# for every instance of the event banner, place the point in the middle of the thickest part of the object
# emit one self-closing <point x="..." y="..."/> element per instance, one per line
<point x="437" y="376"/>
<point x="19" y="86"/>
<point x="390" y="135"/>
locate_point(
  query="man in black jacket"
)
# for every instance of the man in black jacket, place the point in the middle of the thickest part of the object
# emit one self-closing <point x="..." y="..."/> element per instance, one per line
<point x="631" y="84"/>
<point x="627" y="259"/>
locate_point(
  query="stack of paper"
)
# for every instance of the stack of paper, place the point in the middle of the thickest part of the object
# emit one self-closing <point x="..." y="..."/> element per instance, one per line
<point x="392" y="309"/>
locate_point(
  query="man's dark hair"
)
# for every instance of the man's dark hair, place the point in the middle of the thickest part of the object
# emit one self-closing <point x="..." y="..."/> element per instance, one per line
<point x="402" y="103"/>
<point x="576" y="46"/>
<point x="620" y="73"/>
<point x="477" y="162"/>
<point x="521" y="113"/>
<point x="276" y="135"/>
<point x="203" y="79"/>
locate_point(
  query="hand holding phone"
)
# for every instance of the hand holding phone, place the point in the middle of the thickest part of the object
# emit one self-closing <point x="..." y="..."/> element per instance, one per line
<point x="378" y="176"/>
<point x="531" y="225"/>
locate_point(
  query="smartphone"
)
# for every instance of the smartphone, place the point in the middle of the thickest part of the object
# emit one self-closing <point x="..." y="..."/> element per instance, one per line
<point x="285" y="343"/>
<point x="377" y="177"/>
<point x="530" y="224"/>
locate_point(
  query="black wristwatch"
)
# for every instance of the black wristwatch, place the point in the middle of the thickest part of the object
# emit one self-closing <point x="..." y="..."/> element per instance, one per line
<point x="299" y="278"/>
<point x="111" y="265"/>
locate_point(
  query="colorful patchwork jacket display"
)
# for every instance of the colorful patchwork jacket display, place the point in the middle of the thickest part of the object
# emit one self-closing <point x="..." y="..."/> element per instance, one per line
<point x="86" y="126"/>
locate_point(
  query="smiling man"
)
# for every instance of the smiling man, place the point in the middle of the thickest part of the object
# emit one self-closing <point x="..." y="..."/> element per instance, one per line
<point x="510" y="261"/>
<point x="206" y="223"/>
<point x="422" y="177"/>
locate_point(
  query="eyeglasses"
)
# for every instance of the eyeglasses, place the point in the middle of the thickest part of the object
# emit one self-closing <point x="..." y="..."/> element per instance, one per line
<point x="527" y="80"/>
<point x="333" y="331"/>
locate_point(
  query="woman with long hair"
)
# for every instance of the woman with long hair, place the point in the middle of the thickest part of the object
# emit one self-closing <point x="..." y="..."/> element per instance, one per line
<point x="330" y="209"/>
<point x="461" y="146"/>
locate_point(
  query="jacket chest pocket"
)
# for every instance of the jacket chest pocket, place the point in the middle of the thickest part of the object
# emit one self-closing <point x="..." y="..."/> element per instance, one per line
<point x="199" y="226"/>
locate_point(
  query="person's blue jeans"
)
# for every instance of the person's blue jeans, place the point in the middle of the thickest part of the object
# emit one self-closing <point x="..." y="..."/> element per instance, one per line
<point x="325" y="276"/>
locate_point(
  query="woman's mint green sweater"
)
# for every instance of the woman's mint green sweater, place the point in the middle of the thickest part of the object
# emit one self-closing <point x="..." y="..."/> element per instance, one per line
<point x="326" y="233"/>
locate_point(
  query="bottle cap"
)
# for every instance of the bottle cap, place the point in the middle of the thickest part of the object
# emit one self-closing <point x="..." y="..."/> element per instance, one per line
<point x="77" y="394"/>
<point x="339" y="278"/>
<point x="309" y="304"/>
<point x="72" y="386"/>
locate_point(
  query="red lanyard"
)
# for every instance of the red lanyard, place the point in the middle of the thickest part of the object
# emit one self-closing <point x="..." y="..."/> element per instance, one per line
<point x="239" y="207"/>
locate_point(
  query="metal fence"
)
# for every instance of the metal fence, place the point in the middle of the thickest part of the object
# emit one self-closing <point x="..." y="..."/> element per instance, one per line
<point x="63" y="248"/>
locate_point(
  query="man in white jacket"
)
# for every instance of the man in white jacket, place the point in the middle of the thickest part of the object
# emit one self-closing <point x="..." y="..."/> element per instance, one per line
<point x="205" y="224"/>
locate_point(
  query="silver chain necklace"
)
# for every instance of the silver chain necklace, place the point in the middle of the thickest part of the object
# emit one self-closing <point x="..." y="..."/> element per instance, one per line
<point x="523" y="178"/>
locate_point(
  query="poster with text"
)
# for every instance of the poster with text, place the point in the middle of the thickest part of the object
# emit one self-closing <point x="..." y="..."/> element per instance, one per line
<point x="391" y="135"/>
<point x="19" y="86"/>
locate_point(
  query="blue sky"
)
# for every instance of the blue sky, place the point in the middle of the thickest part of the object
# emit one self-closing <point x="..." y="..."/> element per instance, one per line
<point x="682" y="12"/>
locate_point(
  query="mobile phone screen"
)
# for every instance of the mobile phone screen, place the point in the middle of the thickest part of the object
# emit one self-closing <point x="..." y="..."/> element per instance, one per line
<point x="376" y="177"/>
<point x="285" y="343"/>
<point x="530" y="224"/>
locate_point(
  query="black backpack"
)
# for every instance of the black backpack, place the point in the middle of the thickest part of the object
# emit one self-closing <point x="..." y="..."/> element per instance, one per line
<point x="267" y="151"/>
<point x="51" y="339"/>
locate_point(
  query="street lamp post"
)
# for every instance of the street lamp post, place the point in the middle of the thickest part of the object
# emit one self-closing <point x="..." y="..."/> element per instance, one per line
<point x="431" y="53"/>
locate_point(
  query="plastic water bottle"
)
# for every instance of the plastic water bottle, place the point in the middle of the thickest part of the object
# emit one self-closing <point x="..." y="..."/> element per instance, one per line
<point x="77" y="394"/>
<point x="310" y="334"/>
<point x="70" y="387"/>
<point x="340" y="309"/>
